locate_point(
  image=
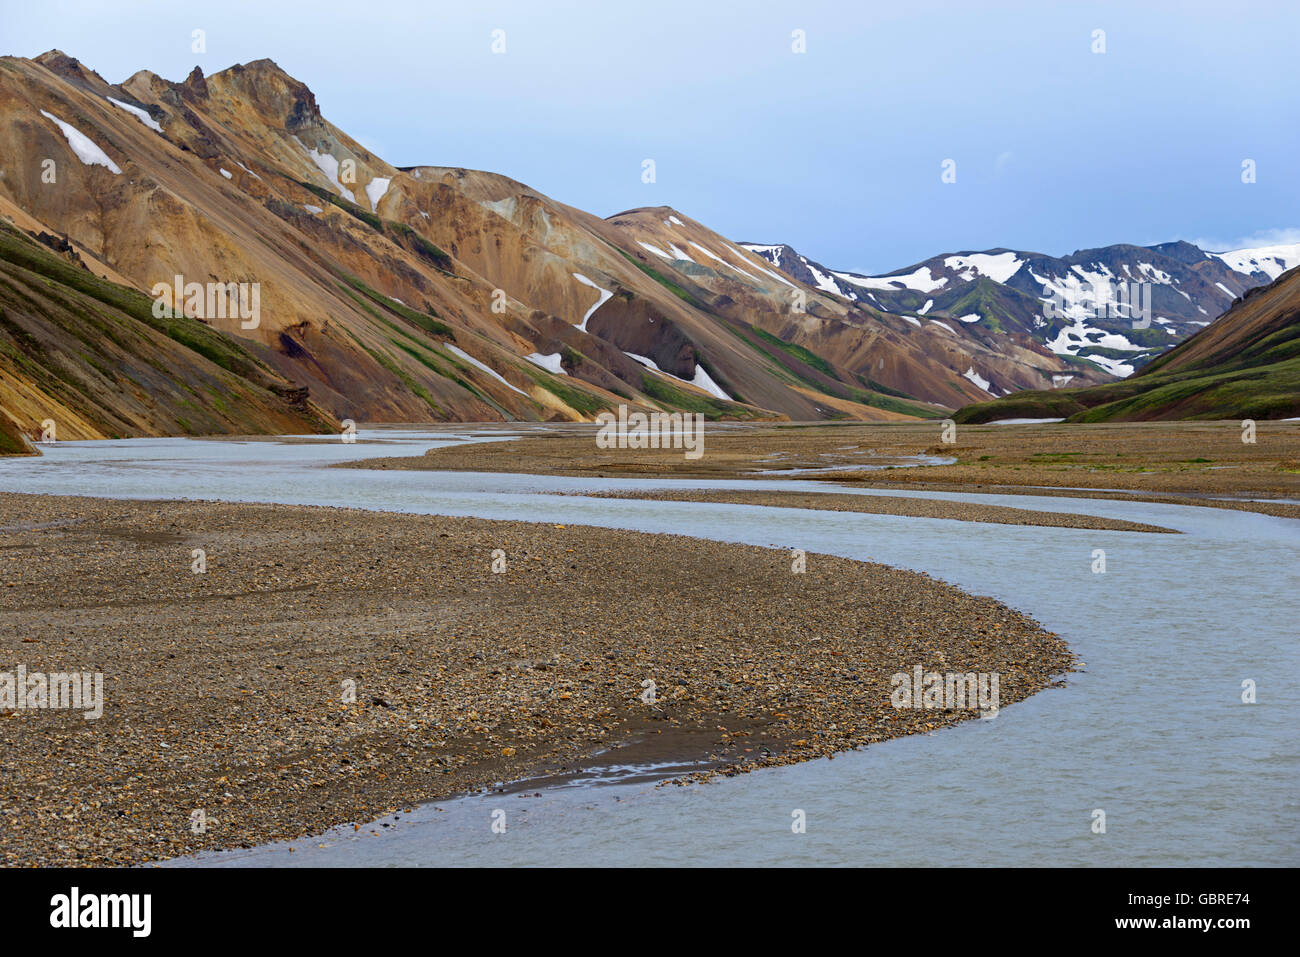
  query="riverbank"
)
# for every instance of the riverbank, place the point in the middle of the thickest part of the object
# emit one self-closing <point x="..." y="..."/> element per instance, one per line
<point x="224" y="691"/>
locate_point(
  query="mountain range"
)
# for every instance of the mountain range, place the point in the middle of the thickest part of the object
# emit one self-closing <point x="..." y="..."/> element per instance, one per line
<point x="348" y="288"/>
<point x="1009" y="290"/>
<point x="1245" y="365"/>
<point x="424" y="293"/>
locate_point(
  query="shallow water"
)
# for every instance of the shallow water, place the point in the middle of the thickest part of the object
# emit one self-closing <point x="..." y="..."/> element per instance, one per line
<point x="1153" y="732"/>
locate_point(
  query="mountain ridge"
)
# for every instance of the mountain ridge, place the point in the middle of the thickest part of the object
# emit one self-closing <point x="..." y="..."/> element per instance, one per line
<point x="1024" y="283"/>
<point x="433" y="293"/>
<point x="1245" y="365"/>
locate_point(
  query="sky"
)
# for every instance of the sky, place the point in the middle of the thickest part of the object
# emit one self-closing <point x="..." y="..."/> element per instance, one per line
<point x="838" y="150"/>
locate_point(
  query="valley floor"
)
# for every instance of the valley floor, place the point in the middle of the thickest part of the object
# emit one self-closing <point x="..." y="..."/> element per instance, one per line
<point x="1203" y="463"/>
<point x="226" y="691"/>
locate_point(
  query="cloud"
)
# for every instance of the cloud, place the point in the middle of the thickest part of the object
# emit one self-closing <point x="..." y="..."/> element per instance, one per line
<point x="1002" y="162"/>
<point x="1281" y="236"/>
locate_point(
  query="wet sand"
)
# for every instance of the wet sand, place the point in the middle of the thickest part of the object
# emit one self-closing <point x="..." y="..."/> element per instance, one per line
<point x="224" y="691"/>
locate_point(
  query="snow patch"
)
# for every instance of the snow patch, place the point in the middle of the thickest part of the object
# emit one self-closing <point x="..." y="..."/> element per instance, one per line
<point x="551" y="363"/>
<point x="766" y="272"/>
<point x="82" y="145"/>
<point x="714" y="256"/>
<point x="997" y="266"/>
<point x="645" y="361"/>
<point x="1270" y="260"/>
<point x="978" y="379"/>
<point x="771" y="253"/>
<point x="1072" y="338"/>
<point x="1116" y="367"/>
<point x="823" y="282"/>
<point x="653" y="249"/>
<point x="480" y="365"/>
<point x="604" y="297"/>
<point x="375" y="190"/>
<point x="703" y="381"/>
<point x="141" y="115"/>
<point x="1157" y="276"/>
<point x="1095" y="275"/>
<point x="327" y="164"/>
<point x="920" y="280"/>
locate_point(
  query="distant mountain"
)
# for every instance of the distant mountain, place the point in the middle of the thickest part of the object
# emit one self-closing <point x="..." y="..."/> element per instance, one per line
<point x="1245" y="365"/>
<point x="1015" y="291"/>
<point x="424" y="293"/>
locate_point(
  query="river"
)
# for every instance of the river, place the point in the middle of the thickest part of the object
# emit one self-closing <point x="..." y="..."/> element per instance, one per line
<point x="1153" y="731"/>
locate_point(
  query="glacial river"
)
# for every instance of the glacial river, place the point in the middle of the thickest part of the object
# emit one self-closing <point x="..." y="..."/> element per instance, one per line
<point x="1153" y="732"/>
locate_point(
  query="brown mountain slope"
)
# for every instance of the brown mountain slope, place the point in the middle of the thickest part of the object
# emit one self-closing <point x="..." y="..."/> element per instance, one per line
<point x="90" y="356"/>
<point x="386" y="292"/>
<point x="363" y="310"/>
<point x="171" y="211"/>
<point x="1253" y="331"/>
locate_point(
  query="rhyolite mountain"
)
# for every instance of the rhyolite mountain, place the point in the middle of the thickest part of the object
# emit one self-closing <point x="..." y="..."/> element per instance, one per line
<point x="90" y="356"/>
<point x="1245" y="365"/>
<point x="418" y="294"/>
<point x="1008" y="290"/>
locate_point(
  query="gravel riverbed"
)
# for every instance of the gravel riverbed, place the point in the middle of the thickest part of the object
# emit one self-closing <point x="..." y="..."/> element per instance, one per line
<point x="226" y="691"/>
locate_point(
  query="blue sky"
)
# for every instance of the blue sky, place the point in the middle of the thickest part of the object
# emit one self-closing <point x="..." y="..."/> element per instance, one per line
<point x="837" y="150"/>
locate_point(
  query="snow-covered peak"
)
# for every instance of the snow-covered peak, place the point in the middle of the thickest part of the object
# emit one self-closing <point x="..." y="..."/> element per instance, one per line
<point x="1270" y="260"/>
<point x="921" y="280"/>
<point x="997" y="266"/>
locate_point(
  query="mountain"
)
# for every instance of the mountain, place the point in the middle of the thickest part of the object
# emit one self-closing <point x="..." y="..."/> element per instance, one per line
<point x="1245" y="365"/>
<point x="1009" y="290"/>
<point x="424" y="293"/>
<point x="90" y="356"/>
